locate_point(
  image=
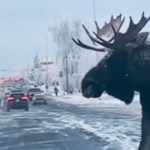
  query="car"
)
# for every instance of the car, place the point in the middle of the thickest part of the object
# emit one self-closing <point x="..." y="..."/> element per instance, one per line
<point x="39" y="98"/>
<point x="31" y="92"/>
<point x="17" y="101"/>
<point x="8" y="89"/>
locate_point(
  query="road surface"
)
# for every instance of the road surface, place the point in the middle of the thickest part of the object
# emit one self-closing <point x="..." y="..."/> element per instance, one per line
<point x="60" y="126"/>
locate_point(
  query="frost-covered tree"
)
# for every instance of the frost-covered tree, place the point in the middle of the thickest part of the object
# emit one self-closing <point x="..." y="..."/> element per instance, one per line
<point x="36" y="61"/>
<point x="74" y="61"/>
<point x="36" y="69"/>
<point x="68" y="53"/>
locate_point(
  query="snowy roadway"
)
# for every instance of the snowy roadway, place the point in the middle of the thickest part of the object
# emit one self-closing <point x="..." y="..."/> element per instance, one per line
<point x="66" y="124"/>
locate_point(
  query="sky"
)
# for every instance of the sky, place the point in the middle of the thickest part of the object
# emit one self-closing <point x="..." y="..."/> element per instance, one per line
<point x="24" y="23"/>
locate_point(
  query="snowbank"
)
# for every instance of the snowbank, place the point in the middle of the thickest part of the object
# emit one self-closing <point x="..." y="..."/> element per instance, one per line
<point x="104" y="102"/>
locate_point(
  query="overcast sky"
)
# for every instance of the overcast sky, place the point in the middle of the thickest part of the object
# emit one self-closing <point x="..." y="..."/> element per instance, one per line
<point x="24" y="23"/>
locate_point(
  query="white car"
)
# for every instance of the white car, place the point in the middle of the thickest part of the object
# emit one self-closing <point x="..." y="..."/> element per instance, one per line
<point x="39" y="98"/>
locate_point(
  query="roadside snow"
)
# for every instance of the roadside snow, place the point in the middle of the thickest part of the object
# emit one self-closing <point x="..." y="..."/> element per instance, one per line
<point x="104" y="102"/>
<point x="109" y="130"/>
<point x="117" y="123"/>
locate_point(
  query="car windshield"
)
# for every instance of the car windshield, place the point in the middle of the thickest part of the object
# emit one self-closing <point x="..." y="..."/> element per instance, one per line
<point x="8" y="88"/>
<point x="17" y="95"/>
<point x="35" y="90"/>
<point x="14" y="91"/>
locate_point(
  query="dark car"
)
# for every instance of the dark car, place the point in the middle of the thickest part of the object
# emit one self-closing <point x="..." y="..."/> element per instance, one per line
<point x="17" y="101"/>
<point x="31" y="92"/>
<point x="39" y="98"/>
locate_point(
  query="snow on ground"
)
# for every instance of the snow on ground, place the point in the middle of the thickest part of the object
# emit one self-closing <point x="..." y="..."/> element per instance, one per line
<point x="122" y="133"/>
<point x="104" y="102"/>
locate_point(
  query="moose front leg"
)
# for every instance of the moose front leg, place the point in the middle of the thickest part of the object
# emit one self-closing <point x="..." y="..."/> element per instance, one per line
<point x="145" y="122"/>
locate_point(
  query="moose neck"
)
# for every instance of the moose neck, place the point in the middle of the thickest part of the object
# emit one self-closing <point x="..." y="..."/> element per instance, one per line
<point x="145" y="130"/>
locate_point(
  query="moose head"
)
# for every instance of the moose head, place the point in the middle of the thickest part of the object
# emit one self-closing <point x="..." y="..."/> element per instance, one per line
<point x="111" y="73"/>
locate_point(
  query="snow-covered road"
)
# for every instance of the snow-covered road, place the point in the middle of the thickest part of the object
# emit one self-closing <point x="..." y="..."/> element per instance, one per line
<point x="72" y="123"/>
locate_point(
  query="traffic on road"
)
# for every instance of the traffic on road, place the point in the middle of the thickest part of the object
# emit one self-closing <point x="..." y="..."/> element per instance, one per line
<point x="35" y="120"/>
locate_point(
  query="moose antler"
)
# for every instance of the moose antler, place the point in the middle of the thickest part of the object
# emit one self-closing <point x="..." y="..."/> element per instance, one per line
<point x="106" y="31"/>
<point x="121" y="39"/>
<point x="81" y="44"/>
<point x="112" y="28"/>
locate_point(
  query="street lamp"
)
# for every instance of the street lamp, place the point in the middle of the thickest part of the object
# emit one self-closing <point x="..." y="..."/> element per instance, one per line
<point x="46" y="62"/>
<point x="94" y="10"/>
<point x="94" y="17"/>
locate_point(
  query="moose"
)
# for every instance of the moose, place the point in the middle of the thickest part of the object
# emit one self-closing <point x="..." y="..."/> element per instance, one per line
<point x="124" y="69"/>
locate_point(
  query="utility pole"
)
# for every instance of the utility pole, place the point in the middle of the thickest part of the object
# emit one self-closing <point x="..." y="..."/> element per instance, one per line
<point x="46" y="56"/>
<point x="94" y="10"/>
<point x="27" y="70"/>
<point x="94" y="18"/>
<point x="67" y="78"/>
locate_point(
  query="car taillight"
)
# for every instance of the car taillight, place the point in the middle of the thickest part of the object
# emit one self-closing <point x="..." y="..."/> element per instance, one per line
<point x="10" y="99"/>
<point x="24" y="98"/>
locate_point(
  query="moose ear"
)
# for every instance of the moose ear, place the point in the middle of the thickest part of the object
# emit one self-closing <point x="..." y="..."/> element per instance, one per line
<point x="140" y="40"/>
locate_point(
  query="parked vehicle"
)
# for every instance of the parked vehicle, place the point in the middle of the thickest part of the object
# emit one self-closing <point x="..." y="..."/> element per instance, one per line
<point x="17" y="101"/>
